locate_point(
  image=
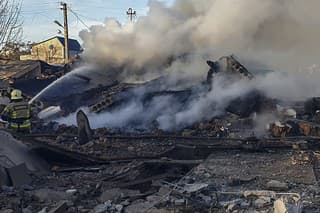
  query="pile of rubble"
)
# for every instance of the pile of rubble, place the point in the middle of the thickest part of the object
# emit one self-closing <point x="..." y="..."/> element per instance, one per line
<point x="216" y="165"/>
<point x="228" y="181"/>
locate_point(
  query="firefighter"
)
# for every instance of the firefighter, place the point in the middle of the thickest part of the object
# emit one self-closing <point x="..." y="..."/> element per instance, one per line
<point x="18" y="113"/>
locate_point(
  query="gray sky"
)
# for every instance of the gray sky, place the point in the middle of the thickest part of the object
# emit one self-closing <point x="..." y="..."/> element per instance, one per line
<point x="38" y="15"/>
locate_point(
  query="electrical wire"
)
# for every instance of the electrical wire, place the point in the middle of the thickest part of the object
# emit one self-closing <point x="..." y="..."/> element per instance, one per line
<point x="89" y="18"/>
<point x="76" y="15"/>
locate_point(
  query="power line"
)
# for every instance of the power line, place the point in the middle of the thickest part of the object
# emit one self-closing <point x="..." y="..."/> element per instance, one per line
<point x="76" y="15"/>
<point x="29" y="12"/>
<point x="39" y="3"/>
<point x="45" y="2"/>
<point x="109" y="8"/>
<point x="37" y="11"/>
<point x="37" y="8"/>
<point x="45" y="15"/>
<point x="88" y="17"/>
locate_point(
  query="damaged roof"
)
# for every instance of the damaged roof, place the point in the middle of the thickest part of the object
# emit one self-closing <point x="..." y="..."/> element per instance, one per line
<point x="17" y="69"/>
<point x="12" y="69"/>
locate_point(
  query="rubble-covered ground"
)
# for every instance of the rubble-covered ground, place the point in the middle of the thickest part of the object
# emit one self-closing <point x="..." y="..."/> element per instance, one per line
<point x="235" y="161"/>
<point x="227" y="181"/>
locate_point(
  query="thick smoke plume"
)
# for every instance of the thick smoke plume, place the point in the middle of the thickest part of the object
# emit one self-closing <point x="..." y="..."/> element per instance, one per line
<point x="278" y="35"/>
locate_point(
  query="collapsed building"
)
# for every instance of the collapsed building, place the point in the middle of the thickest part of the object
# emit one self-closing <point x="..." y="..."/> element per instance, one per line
<point x="216" y="164"/>
<point x="106" y="95"/>
<point x="29" y="76"/>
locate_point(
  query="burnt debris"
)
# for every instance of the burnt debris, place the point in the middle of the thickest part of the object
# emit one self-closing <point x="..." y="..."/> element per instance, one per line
<point x="257" y="154"/>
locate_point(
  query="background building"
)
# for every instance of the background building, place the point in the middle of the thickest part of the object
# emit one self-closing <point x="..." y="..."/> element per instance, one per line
<point x="52" y="50"/>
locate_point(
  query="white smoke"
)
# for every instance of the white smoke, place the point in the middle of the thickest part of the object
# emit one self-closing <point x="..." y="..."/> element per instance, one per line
<point x="280" y="34"/>
<point x="171" y="114"/>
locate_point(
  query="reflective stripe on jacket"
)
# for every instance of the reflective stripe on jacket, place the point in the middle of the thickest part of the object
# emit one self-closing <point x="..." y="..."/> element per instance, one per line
<point x="17" y="112"/>
<point x="25" y="125"/>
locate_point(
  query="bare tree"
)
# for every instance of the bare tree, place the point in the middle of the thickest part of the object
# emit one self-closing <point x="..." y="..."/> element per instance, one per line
<point x="10" y="22"/>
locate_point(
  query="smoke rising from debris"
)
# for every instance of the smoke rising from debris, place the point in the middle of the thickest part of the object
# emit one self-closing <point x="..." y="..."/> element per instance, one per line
<point x="280" y="34"/>
<point x="170" y="113"/>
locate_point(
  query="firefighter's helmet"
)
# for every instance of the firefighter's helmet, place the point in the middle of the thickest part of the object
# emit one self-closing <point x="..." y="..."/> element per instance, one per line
<point x="16" y="94"/>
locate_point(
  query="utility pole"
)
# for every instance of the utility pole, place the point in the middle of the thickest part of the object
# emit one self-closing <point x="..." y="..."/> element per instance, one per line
<point x="131" y="13"/>
<point x="66" y="32"/>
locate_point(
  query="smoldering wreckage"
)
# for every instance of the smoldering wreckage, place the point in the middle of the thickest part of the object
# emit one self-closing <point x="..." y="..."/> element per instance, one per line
<point x="157" y="162"/>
